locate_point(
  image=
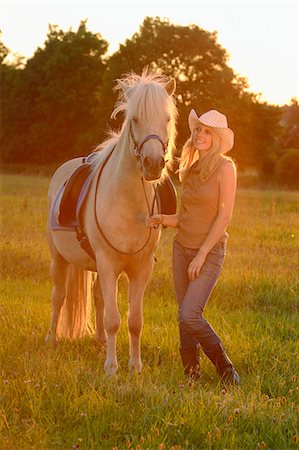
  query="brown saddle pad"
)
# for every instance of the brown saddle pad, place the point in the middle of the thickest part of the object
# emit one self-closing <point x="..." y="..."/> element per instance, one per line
<point x="167" y="195"/>
<point x="72" y="191"/>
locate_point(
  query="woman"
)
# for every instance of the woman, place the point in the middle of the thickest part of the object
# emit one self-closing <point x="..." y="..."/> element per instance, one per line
<point x="208" y="192"/>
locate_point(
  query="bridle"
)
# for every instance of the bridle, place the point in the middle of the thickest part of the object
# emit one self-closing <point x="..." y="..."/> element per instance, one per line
<point x="138" y="147"/>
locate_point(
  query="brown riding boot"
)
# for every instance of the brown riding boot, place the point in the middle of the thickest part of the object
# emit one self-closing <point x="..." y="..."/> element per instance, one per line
<point x="224" y="366"/>
<point x="191" y="363"/>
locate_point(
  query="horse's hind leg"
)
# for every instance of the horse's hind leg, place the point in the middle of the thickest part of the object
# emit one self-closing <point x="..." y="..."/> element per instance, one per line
<point x="99" y="309"/>
<point x="59" y="268"/>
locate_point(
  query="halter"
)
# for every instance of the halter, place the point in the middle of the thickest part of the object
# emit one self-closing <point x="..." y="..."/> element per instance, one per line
<point x="138" y="148"/>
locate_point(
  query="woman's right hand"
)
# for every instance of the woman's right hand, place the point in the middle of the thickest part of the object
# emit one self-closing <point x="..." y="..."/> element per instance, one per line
<point x="154" y="220"/>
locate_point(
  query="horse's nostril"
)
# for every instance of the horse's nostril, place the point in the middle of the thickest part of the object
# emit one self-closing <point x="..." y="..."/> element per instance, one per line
<point x="153" y="165"/>
<point x="147" y="162"/>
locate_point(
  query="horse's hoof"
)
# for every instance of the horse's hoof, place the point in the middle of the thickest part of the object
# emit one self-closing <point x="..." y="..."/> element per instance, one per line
<point x="101" y="341"/>
<point x="135" y="367"/>
<point x="51" y="341"/>
<point x="110" y="369"/>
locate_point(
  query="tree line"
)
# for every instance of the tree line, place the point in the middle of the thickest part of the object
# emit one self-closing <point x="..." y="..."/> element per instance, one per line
<point x="57" y="104"/>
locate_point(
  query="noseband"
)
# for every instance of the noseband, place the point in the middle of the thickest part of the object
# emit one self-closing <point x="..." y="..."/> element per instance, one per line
<point x="138" y="148"/>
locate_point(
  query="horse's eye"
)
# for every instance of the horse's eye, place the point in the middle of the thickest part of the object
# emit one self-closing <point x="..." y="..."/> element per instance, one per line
<point x="135" y="120"/>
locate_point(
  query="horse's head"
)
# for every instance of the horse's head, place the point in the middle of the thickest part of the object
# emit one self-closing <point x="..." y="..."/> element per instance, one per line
<point x="150" y="121"/>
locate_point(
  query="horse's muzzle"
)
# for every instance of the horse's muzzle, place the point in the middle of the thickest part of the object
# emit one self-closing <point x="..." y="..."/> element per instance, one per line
<point x="152" y="169"/>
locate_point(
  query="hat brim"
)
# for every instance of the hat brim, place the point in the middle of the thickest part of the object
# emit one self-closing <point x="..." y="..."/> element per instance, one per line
<point x="226" y="134"/>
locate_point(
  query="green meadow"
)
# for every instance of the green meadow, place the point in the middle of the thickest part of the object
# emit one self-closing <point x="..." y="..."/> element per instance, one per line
<point x="61" y="399"/>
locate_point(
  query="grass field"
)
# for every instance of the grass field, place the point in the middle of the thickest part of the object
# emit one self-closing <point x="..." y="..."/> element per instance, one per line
<point x="61" y="399"/>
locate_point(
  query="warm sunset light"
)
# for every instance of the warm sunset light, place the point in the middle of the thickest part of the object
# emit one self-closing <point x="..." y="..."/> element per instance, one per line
<point x="149" y="224"/>
<point x="260" y="37"/>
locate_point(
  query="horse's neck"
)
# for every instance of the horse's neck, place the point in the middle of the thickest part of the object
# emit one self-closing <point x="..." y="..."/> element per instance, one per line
<point x="126" y="181"/>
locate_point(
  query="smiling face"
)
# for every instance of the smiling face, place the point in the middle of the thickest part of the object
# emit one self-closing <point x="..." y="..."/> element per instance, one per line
<point x="202" y="138"/>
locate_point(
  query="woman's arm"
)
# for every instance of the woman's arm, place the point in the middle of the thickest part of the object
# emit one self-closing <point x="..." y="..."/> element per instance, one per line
<point x="168" y="220"/>
<point x="227" y="192"/>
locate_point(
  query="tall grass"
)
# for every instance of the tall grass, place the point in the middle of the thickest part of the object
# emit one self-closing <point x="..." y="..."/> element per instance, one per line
<point x="61" y="399"/>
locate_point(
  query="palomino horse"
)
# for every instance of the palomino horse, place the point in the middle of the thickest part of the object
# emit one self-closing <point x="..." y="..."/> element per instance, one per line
<point x="121" y="194"/>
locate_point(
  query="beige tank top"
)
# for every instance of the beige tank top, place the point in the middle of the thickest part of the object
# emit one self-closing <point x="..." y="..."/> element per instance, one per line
<point x="199" y="207"/>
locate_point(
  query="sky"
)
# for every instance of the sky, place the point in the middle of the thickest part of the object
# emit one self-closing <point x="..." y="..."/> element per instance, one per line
<point x="261" y="37"/>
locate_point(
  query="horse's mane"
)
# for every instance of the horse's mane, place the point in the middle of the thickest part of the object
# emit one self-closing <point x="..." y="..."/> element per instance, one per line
<point x="142" y="95"/>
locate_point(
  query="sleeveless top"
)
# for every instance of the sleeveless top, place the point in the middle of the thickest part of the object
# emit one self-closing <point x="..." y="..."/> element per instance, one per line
<point x="199" y="207"/>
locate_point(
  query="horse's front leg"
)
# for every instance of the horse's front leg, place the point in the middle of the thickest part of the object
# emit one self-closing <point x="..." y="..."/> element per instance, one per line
<point x="108" y="281"/>
<point x="137" y="287"/>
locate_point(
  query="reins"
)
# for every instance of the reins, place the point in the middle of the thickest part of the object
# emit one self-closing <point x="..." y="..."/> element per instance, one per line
<point x="150" y="211"/>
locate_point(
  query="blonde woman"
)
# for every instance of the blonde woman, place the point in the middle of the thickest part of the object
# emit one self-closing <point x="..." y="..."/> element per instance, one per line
<point x="208" y="193"/>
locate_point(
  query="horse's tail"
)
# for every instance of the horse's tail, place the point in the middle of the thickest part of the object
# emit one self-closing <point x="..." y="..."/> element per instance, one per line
<point x="75" y="315"/>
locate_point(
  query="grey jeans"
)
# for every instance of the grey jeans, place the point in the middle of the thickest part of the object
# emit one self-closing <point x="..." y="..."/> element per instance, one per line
<point x="192" y="296"/>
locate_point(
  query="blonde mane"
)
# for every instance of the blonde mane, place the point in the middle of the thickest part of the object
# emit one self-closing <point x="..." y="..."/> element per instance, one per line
<point x="143" y="96"/>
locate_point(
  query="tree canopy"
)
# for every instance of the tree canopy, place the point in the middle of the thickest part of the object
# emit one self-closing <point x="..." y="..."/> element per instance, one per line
<point x="58" y="105"/>
<point x="53" y="100"/>
<point x="204" y="81"/>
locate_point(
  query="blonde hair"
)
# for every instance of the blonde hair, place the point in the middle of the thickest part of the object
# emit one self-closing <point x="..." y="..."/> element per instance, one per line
<point x="207" y="163"/>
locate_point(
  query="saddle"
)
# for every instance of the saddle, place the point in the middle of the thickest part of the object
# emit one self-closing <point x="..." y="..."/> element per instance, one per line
<point x="66" y="208"/>
<point x="71" y="194"/>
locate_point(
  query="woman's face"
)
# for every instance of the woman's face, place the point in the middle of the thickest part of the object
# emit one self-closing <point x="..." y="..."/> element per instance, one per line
<point x="202" y="138"/>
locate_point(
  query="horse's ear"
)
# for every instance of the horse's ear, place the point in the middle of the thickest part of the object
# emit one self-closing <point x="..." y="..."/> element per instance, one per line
<point x="124" y="87"/>
<point x="170" y="86"/>
<point x="120" y="85"/>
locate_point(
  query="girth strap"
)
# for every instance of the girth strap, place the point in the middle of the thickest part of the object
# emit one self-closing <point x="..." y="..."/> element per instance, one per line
<point x="84" y="242"/>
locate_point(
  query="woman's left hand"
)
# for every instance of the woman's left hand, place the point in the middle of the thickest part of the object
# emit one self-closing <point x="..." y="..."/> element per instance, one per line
<point x="153" y="221"/>
<point x="195" y="266"/>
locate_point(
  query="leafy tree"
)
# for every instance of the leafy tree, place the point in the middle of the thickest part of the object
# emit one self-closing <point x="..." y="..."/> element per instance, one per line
<point x="290" y="124"/>
<point x="204" y="81"/>
<point x="9" y="78"/>
<point x="59" y="104"/>
<point x="187" y="53"/>
<point x="3" y="52"/>
<point x="281" y="156"/>
<point x="57" y="97"/>
<point x="288" y="168"/>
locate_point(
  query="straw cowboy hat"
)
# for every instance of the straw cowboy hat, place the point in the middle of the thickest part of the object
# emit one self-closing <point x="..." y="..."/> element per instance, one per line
<point x="218" y="122"/>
